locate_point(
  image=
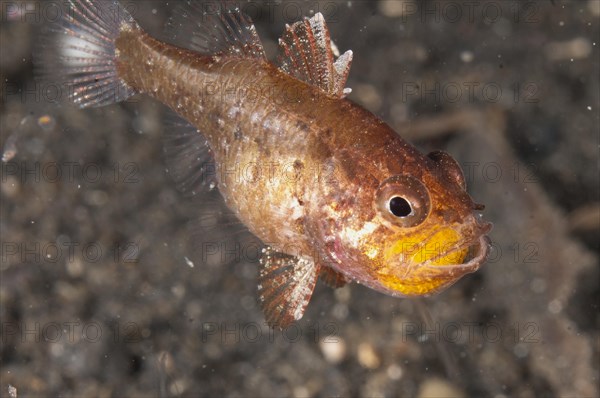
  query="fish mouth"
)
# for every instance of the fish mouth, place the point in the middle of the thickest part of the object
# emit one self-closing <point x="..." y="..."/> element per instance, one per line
<point x="478" y="251"/>
<point x="433" y="275"/>
<point x="424" y="278"/>
<point x="430" y="277"/>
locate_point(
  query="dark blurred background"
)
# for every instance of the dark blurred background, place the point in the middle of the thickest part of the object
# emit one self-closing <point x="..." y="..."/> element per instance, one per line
<point x="104" y="292"/>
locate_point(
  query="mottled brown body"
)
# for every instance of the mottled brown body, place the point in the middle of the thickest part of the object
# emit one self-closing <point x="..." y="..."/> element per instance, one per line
<point x="293" y="161"/>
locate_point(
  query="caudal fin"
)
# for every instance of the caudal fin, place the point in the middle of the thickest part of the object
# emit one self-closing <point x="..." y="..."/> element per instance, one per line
<point x="77" y="55"/>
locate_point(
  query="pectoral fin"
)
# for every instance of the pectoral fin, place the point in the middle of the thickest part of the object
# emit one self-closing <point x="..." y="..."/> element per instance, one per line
<point x="332" y="278"/>
<point x="285" y="285"/>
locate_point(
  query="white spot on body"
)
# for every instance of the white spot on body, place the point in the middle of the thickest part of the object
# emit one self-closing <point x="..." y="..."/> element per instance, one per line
<point x="353" y="236"/>
<point x="297" y="209"/>
<point x="266" y="124"/>
<point x="233" y="112"/>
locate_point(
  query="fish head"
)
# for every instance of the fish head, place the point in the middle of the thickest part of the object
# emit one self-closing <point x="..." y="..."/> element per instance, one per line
<point x="414" y="232"/>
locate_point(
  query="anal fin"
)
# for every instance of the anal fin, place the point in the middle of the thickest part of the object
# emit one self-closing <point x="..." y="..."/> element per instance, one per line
<point x="285" y="286"/>
<point x="307" y="53"/>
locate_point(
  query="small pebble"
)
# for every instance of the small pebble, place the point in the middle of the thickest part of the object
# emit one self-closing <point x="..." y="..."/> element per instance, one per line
<point x="334" y="350"/>
<point x="367" y="357"/>
<point x="435" y="387"/>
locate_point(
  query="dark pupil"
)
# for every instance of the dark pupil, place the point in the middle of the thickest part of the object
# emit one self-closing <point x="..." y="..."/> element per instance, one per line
<point x="400" y="206"/>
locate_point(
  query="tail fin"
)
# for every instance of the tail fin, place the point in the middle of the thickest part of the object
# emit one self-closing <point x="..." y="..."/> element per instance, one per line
<point x="79" y="55"/>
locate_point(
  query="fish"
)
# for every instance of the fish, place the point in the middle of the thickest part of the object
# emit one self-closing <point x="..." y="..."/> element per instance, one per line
<point x="332" y="191"/>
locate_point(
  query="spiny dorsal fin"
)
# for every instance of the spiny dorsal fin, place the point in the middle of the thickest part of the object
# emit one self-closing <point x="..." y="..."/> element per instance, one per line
<point x="332" y="278"/>
<point x="214" y="28"/>
<point x="285" y="285"/>
<point x="307" y="53"/>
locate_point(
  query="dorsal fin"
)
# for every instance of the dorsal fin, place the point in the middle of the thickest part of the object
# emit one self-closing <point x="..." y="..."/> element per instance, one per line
<point x="214" y="28"/>
<point x="307" y="53"/>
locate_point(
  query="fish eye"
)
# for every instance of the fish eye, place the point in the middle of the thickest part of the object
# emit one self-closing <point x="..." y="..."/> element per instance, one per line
<point x="399" y="206"/>
<point x="403" y="200"/>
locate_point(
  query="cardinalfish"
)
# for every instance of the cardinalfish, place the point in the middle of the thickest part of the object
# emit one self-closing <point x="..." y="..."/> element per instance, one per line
<point x="382" y="214"/>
